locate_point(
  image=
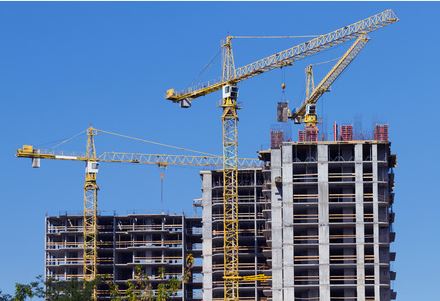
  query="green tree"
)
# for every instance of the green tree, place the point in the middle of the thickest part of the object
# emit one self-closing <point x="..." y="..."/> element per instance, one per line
<point x="167" y="289"/>
<point x="174" y="285"/>
<point x="5" y="297"/>
<point x="51" y="290"/>
<point x="72" y="290"/>
<point x="31" y="290"/>
<point x="161" y="292"/>
<point x="115" y="293"/>
<point x="161" y="272"/>
<point x="139" y="289"/>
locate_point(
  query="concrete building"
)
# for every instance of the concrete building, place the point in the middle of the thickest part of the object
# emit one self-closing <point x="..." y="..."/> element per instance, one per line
<point x="252" y="242"/>
<point x="159" y="243"/>
<point x="317" y="218"/>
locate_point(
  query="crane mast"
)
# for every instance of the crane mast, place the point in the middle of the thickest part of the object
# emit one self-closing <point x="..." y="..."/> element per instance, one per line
<point x="228" y="84"/>
<point x="230" y="176"/>
<point x="90" y="225"/>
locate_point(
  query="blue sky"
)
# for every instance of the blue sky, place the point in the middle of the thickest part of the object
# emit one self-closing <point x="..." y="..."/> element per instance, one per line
<point x="64" y="66"/>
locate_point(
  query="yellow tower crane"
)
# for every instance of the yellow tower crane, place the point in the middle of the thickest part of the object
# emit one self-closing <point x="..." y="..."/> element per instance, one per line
<point x="231" y="76"/>
<point x="306" y="112"/>
<point x="92" y="161"/>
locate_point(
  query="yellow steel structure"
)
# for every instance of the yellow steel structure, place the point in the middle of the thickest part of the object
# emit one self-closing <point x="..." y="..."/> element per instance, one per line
<point x="230" y="77"/>
<point x="302" y="114"/>
<point x="90" y="225"/>
<point x="90" y="228"/>
<point x="310" y="81"/>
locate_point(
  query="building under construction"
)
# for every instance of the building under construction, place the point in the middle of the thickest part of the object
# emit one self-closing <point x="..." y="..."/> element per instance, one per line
<point x="317" y="218"/>
<point x="253" y="250"/>
<point x="158" y="243"/>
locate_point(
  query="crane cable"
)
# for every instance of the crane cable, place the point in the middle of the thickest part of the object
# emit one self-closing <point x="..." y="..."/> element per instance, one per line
<point x="283" y="84"/>
<point x="326" y="62"/>
<point x="154" y="142"/>
<point x="68" y="139"/>
<point x="162" y="177"/>
<point x="205" y="68"/>
<point x="274" y="37"/>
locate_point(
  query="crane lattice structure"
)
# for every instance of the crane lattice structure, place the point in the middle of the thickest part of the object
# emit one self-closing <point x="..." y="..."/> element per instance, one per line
<point x="92" y="161"/>
<point x="228" y="84"/>
<point x="306" y="112"/>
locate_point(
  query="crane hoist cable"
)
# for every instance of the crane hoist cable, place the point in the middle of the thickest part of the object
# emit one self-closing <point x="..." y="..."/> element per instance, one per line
<point x="162" y="169"/>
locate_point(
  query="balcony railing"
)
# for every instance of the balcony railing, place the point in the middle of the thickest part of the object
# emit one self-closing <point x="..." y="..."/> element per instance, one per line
<point x="158" y="260"/>
<point x="149" y="243"/>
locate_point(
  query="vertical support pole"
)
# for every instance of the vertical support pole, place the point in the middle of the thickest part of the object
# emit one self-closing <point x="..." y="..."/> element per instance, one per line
<point x="90" y="228"/>
<point x="230" y="199"/>
<point x="323" y="228"/>
<point x="115" y="225"/>
<point x="207" y="234"/>
<point x="376" y="223"/>
<point x="183" y="257"/>
<point x="255" y="233"/>
<point x="360" y="230"/>
<point x="276" y="226"/>
<point x="288" y="250"/>
<point x="46" y="253"/>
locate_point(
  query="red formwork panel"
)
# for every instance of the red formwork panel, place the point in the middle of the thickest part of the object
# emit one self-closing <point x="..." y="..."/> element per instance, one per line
<point x="301" y="136"/>
<point x="276" y="138"/>
<point x="346" y="132"/>
<point x="381" y="132"/>
<point x="311" y="134"/>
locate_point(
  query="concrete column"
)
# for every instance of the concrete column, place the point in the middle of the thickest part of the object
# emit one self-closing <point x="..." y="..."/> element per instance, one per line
<point x="288" y="252"/>
<point x="207" y="234"/>
<point x="46" y="252"/>
<point x="376" y="224"/>
<point x="255" y="234"/>
<point x="183" y="289"/>
<point x="277" y="235"/>
<point x="115" y="225"/>
<point x="323" y="228"/>
<point x="360" y="230"/>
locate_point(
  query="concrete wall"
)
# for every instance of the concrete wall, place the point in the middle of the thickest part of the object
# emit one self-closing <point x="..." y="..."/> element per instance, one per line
<point x="207" y="234"/>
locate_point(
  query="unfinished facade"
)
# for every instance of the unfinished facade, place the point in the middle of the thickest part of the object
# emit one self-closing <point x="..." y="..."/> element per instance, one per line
<point x="251" y="237"/>
<point x="317" y="217"/>
<point x="330" y="220"/>
<point x="159" y="243"/>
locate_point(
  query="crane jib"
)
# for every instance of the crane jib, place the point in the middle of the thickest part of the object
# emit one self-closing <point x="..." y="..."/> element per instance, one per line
<point x="317" y="44"/>
<point x="295" y="53"/>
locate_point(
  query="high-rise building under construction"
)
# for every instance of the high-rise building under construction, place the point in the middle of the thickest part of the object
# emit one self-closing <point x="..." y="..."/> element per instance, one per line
<point x="317" y="217"/>
<point x="158" y="244"/>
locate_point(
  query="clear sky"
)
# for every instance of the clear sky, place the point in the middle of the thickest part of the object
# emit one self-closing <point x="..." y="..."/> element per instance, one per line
<point x="64" y="66"/>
